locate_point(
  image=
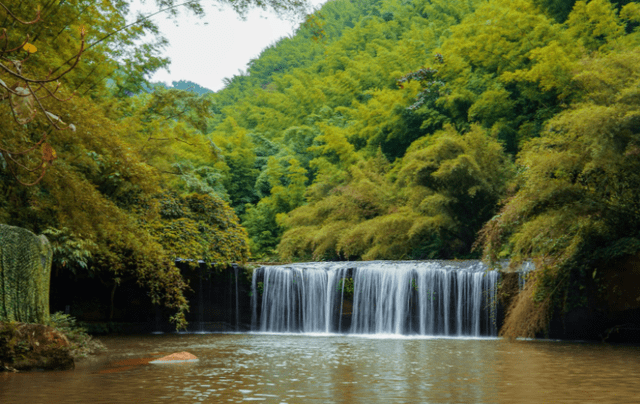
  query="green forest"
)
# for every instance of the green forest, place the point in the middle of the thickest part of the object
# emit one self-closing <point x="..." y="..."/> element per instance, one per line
<point x="380" y="130"/>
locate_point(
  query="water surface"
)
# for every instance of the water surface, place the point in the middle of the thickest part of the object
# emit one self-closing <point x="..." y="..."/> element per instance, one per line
<point x="338" y="369"/>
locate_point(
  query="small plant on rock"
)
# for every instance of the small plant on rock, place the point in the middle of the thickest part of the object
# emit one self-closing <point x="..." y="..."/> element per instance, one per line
<point x="82" y="344"/>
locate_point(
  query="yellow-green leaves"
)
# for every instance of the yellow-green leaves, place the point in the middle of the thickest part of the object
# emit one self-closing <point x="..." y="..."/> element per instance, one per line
<point x="457" y="181"/>
<point x="498" y="35"/>
<point x="200" y="227"/>
<point x="577" y="203"/>
<point x="431" y="205"/>
<point x="551" y="67"/>
<point x="631" y="12"/>
<point x="335" y="145"/>
<point x="301" y="147"/>
<point x="594" y="24"/>
<point x="492" y="105"/>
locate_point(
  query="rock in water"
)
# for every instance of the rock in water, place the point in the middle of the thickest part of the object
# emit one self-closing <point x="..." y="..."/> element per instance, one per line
<point x="33" y="346"/>
<point x="180" y="357"/>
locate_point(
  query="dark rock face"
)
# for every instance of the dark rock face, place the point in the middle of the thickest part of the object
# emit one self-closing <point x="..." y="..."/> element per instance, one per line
<point x="612" y="313"/>
<point x="33" y="346"/>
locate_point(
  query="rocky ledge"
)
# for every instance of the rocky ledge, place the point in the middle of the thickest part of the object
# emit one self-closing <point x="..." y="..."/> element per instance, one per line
<point x="33" y="346"/>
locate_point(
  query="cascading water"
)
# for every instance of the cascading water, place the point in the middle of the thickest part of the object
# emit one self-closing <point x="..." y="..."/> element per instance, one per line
<point x="523" y="272"/>
<point x="455" y="298"/>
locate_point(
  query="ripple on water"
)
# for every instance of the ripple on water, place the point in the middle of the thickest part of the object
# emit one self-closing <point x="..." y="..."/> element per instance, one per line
<point x="339" y="369"/>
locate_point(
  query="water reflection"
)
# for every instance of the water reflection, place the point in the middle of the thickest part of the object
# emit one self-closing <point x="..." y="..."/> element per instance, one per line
<point x="339" y="369"/>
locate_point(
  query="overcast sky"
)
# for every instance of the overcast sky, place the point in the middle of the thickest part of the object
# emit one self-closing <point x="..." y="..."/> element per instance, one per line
<point x="206" y="50"/>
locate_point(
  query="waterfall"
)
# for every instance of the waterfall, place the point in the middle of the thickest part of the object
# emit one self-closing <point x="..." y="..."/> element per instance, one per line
<point x="523" y="272"/>
<point x="454" y="298"/>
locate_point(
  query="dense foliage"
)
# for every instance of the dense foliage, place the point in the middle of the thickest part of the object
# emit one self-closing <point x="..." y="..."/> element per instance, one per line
<point x="118" y="176"/>
<point x="381" y="129"/>
<point x="400" y="130"/>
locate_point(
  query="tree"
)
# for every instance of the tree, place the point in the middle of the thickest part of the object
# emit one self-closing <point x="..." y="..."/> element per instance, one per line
<point x="101" y="203"/>
<point x="339" y="201"/>
<point x="137" y="61"/>
<point x="576" y="208"/>
<point x="454" y="182"/>
<point x="287" y="179"/>
<point x="200" y="227"/>
<point x="558" y="9"/>
<point x="26" y="95"/>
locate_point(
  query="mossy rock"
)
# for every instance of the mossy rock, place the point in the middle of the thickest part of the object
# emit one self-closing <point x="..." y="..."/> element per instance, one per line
<point x="33" y="346"/>
<point x="25" y="275"/>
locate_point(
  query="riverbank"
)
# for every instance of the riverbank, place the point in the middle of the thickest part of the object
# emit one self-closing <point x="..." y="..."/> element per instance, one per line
<point x="25" y="347"/>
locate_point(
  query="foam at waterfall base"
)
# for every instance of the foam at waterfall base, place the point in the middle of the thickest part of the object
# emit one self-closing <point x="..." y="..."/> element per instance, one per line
<point x="370" y="336"/>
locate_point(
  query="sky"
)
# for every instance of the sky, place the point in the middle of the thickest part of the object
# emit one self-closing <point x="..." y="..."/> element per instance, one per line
<point x="206" y="50"/>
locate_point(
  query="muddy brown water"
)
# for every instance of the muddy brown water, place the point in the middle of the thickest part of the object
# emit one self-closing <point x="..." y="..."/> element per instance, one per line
<point x="338" y="369"/>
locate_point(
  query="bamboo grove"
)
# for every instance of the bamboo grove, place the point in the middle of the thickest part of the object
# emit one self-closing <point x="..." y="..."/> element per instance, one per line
<point x="384" y="129"/>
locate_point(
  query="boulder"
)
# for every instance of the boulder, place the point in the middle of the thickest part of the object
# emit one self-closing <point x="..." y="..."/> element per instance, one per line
<point x="180" y="357"/>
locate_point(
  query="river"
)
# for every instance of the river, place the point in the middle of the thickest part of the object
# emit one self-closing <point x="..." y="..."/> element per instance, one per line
<point x="321" y="368"/>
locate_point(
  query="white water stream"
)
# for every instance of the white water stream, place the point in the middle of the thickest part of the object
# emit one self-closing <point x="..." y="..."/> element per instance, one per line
<point x="450" y="298"/>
